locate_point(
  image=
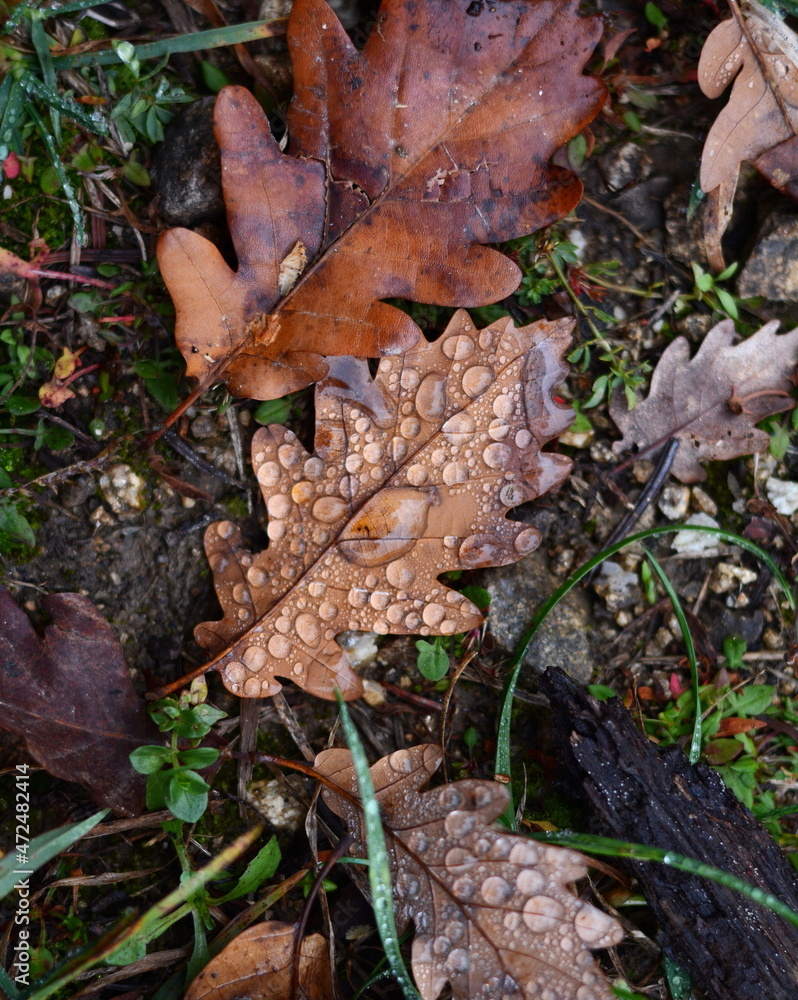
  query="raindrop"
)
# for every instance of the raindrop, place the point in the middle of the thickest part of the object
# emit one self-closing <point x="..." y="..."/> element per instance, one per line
<point x="476" y="380"/>
<point x="257" y="576"/>
<point x="255" y="658"/>
<point x="460" y="428"/>
<point x="480" y="551"/>
<point x="417" y="475"/>
<point x="458" y="347"/>
<point x="527" y="540"/>
<point x="460" y="823"/>
<point x="497" y="456"/>
<point x="431" y="397"/>
<point x="542" y="913"/>
<point x="327" y="611"/>
<point x="279" y="646"/>
<point x="269" y="474"/>
<point x="530" y="881"/>
<point x="307" y="628"/>
<point x="495" y="890"/>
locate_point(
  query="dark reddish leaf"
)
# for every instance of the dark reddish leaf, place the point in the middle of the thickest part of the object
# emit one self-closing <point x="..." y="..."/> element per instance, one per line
<point x="712" y="403"/>
<point x="403" y="160"/>
<point x="69" y="695"/>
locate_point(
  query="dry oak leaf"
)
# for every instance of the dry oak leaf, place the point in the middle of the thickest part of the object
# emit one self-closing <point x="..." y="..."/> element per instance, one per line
<point x="259" y="963"/>
<point x="712" y="403"/>
<point x="413" y="474"/>
<point x="402" y="160"/>
<point x="69" y="695"/>
<point x="494" y="913"/>
<point x="759" y="53"/>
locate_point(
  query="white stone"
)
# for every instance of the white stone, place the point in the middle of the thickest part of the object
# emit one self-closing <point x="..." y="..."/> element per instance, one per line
<point x="783" y="494"/>
<point x="123" y="488"/>
<point x="617" y="586"/>
<point x="280" y="809"/>
<point x="675" y="501"/>
<point x="696" y="543"/>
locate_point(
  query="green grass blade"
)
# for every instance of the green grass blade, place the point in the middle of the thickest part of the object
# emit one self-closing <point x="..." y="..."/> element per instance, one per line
<point x="40" y="44"/>
<point x="643" y="852"/>
<point x="73" y="8"/>
<point x="678" y="610"/>
<point x="379" y="868"/>
<point x="35" y="88"/>
<point x="120" y="936"/>
<point x="503" y="765"/>
<point x="196" y="42"/>
<point x="12" y="106"/>
<point x="60" y="169"/>
<point x="43" y="849"/>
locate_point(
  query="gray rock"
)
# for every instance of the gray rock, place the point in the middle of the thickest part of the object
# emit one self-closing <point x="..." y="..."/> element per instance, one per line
<point x="516" y="592"/>
<point x="772" y="268"/>
<point x="619" y="587"/>
<point x="187" y="172"/>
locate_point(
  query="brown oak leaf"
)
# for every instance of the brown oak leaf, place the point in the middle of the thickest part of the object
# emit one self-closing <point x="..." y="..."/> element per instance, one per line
<point x="712" y="403"/>
<point x="402" y="160"/>
<point x="69" y="695"/>
<point x="259" y="963"/>
<point x="494" y="913"/>
<point x="758" y="52"/>
<point x="413" y="474"/>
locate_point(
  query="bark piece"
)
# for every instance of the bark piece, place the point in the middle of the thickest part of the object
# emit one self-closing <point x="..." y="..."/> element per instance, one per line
<point x="733" y="948"/>
<point x="69" y="695"/>
<point x="494" y="912"/>
<point x="712" y="403"/>
<point x="413" y="474"/>
<point x="403" y="160"/>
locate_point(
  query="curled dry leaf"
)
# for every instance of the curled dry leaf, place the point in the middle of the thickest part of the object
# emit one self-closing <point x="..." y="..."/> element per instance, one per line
<point x="402" y="160"/>
<point x="759" y="53"/>
<point x="494" y="912"/>
<point x="259" y="964"/>
<point x="412" y="476"/>
<point x="712" y="403"/>
<point x="69" y="695"/>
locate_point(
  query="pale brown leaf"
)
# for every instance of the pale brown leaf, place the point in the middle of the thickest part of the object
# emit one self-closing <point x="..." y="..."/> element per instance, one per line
<point x="712" y="403"/>
<point x="403" y="161"/>
<point x="413" y="474"/>
<point x="757" y="51"/>
<point x="258" y="964"/>
<point x="494" y="913"/>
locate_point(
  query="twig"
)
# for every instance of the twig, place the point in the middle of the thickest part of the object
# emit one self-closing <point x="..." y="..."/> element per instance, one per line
<point x="186" y="451"/>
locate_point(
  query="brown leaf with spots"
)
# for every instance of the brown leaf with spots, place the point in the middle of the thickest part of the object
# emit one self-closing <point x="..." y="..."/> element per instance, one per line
<point x="413" y="474"/>
<point x="495" y="914"/>
<point x="712" y="403"/>
<point x="403" y="160"/>
<point x="69" y="695"/>
<point x="759" y="52"/>
<point x="259" y="964"/>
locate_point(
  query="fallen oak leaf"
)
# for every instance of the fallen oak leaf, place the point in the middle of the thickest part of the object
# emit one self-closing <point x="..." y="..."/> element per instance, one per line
<point x="69" y="695"/>
<point x="712" y="403"/>
<point x="403" y="160"/>
<point x="494" y="912"/>
<point x="760" y="53"/>
<point x="259" y="964"/>
<point x="413" y="474"/>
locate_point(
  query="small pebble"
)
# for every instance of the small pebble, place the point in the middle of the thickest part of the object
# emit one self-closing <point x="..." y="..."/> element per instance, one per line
<point x="282" y="811"/>
<point x="727" y="576"/>
<point x="204" y="427"/>
<point x="772" y="640"/>
<point x="696" y="543"/>
<point x="642" y="470"/>
<point x="360" y="647"/>
<point x="577" y="439"/>
<point x="601" y="452"/>
<point x="675" y="501"/>
<point x="373" y="693"/>
<point x="783" y="494"/>
<point x="616" y="586"/>
<point x="123" y="489"/>
<point x="703" y="503"/>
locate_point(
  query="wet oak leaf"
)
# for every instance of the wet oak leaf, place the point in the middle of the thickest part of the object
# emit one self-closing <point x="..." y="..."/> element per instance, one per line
<point x="757" y="51"/>
<point x="69" y="695"/>
<point x="495" y="914"/>
<point x="403" y="159"/>
<point x="259" y="963"/>
<point x="712" y="403"/>
<point x="413" y="474"/>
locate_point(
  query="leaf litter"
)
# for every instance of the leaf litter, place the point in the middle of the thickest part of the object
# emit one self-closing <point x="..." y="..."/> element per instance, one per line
<point x="406" y="158"/>
<point x="412" y="475"/>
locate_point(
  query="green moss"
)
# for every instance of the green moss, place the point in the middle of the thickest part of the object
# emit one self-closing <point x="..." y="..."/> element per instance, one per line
<point x="237" y="508"/>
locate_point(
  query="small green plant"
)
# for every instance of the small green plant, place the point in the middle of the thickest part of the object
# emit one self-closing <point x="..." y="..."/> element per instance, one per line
<point x="433" y="660"/>
<point x="707" y="289"/>
<point x="172" y="778"/>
